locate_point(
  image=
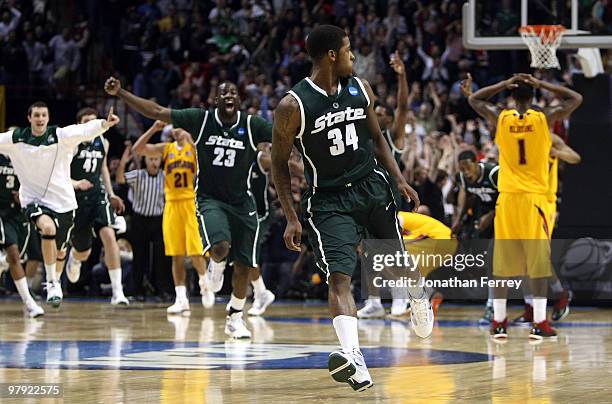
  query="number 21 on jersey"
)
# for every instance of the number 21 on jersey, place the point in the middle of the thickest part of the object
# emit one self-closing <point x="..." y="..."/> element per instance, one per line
<point x="343" y="140"/>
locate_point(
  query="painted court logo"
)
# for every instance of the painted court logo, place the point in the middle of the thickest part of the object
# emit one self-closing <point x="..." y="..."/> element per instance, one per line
<point x="154" y="355"/>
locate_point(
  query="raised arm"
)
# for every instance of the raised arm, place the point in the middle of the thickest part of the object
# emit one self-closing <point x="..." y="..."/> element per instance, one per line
<point x="287" y="123"/>
<point x="75" y="134"/>
<point x="562" y="151"/>
<point x="398" y="129"/>
<point x="570" y="99"/>
<point x="116" y="202"/>
<point x="148" y="108"/>
<point x="142" y="146"/>
<point x="479" y="100"/>
<point x="125" y="158"/>
<point x="383" y="153"/>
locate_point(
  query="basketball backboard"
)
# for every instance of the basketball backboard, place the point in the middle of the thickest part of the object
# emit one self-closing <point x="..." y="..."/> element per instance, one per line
<point x="494" y="24"/>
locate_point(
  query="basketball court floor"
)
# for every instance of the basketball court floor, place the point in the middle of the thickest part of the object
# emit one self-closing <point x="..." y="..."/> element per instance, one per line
<point x="103" y="354"/>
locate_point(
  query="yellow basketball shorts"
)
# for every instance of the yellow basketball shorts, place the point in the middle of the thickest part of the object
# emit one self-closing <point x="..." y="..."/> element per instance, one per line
<point x="180" y="227"/>
<point x="552" y="216"/>
<point x="522" y="236"/>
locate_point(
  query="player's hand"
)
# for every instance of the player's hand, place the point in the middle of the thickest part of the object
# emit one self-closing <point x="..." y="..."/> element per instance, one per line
<point x="117" y="204"/>
<point x="159" y="125"/>
<point x="466" y="86"/>
<point x="529" y="79"/>
<point x="111" y="120"/>
<point x="112" y="86"/>
<point x="293" y="235"/>
<point x="408" y="193"/>
<point x="127" y="152"/>
<point x="397" y="64"/>
<point x="83" y="185"/>
<point x="511" y="83"/>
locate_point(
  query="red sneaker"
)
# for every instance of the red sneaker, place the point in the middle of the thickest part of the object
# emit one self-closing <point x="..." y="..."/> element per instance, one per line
<point x="499" y="330"/>
<point x="526" y="318"/>
<point x="561" y="306"/>
<point x="436" y="301"/>
<point x="542" y="330"/>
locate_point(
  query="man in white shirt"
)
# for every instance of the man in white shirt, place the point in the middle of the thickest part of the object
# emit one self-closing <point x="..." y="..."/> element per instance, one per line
<point x="41" y="156"/>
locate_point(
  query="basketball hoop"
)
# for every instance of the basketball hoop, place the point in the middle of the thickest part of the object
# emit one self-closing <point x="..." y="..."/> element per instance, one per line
<point x="543" y="41"/>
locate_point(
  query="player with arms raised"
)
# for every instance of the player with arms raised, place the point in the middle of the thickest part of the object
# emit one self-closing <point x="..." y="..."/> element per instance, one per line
<point x="522" y="224"/>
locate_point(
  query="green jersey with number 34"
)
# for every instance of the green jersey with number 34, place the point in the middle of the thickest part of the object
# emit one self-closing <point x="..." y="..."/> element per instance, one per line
<point x="334" y="137"/>
<point x="225" y="152"/>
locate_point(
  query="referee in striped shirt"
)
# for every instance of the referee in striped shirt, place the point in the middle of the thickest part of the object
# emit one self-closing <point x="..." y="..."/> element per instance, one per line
<point x="147" y="187"/>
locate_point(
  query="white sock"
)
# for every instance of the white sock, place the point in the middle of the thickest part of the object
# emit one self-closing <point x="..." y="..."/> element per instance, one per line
<point x="489" y="302"/>
<point x="24" y="292"/>
<point x="237" y="304"/>
<point x="217" y="267"/>
<point x="115" y="277"/>
<point x="346" y="330"/>
<point x="259" y="286"/>
<point x="181" y="292"/>
<point x="528" y="299"/>
<point x="30" y="282"/>
<point x="499" y="310"/>
<point x="556" y="286"/>
<point x="375" y="300"/>
<point x="201" y="280"/>
<point x="51" y="274"/>
<point x="539" y="309"/>
<point x="490" y="296"/>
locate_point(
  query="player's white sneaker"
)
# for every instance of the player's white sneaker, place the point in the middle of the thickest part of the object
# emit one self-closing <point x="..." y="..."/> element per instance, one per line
<point x="73" y="268"/>
<point x="235" y="326"/>
<point x="350" y="368"/>
<point x="208" y="297"/>
<point x="214" y="279"/>
<point x="399" y="307"/>
<point x="54" y="293"/>
<point x="179" y="306"/>
<point x="119" y="300"/>
<point x="34" y="310"/>
<point x="261" y="302"/>
<point x="421" y="317"/>
<point x="371" y="310"/>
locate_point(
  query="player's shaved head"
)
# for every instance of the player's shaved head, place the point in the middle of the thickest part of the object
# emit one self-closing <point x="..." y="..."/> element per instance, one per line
<point x="523" y="93"/>
<point x="323" y="39"/>
<point x="467" y="155"/>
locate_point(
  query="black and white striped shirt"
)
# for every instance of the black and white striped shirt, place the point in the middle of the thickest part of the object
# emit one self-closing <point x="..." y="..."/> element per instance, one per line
<point x="148" y="192"/>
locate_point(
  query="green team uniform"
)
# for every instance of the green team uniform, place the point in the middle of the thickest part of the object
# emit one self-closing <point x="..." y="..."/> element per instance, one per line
<point x="484" y="188"/>
<point x="15" y="229"/>
<point x="349" y="195"/>
<point x="94" y="211"/>
<point x="259" y="182"/>
<point x="226" y="153"/>
<point x="397" y="153"/>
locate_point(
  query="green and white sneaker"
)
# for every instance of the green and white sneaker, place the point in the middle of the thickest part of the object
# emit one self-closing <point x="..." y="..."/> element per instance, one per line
<point x="350" y="368"/>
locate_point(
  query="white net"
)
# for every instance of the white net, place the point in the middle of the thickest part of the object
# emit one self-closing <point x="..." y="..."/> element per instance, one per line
<point x="543" y="42"/>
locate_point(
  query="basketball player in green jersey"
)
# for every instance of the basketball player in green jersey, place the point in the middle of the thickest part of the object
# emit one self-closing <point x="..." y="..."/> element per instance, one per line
<point x="94" y="193"/>
<point x="330" y="118"/>
<point x="15" y="234"/>
<point x="226" y="141"/>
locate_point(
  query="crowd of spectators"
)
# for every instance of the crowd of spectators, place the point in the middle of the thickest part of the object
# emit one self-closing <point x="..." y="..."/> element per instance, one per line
<point x="176" y="52"/>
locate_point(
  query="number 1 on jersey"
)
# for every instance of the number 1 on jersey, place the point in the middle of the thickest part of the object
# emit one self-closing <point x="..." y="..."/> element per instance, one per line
<point x="338" y="146"/>
<point x="522" y="154"/>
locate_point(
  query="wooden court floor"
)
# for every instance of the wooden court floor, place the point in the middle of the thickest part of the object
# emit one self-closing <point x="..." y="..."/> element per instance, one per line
<point x="139" y="355"/>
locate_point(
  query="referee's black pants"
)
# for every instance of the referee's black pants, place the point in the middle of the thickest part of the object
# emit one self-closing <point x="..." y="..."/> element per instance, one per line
<point x="148" y="247"/>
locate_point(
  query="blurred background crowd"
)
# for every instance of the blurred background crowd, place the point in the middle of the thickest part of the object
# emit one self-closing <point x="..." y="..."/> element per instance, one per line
<point x="176" y="52"/>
